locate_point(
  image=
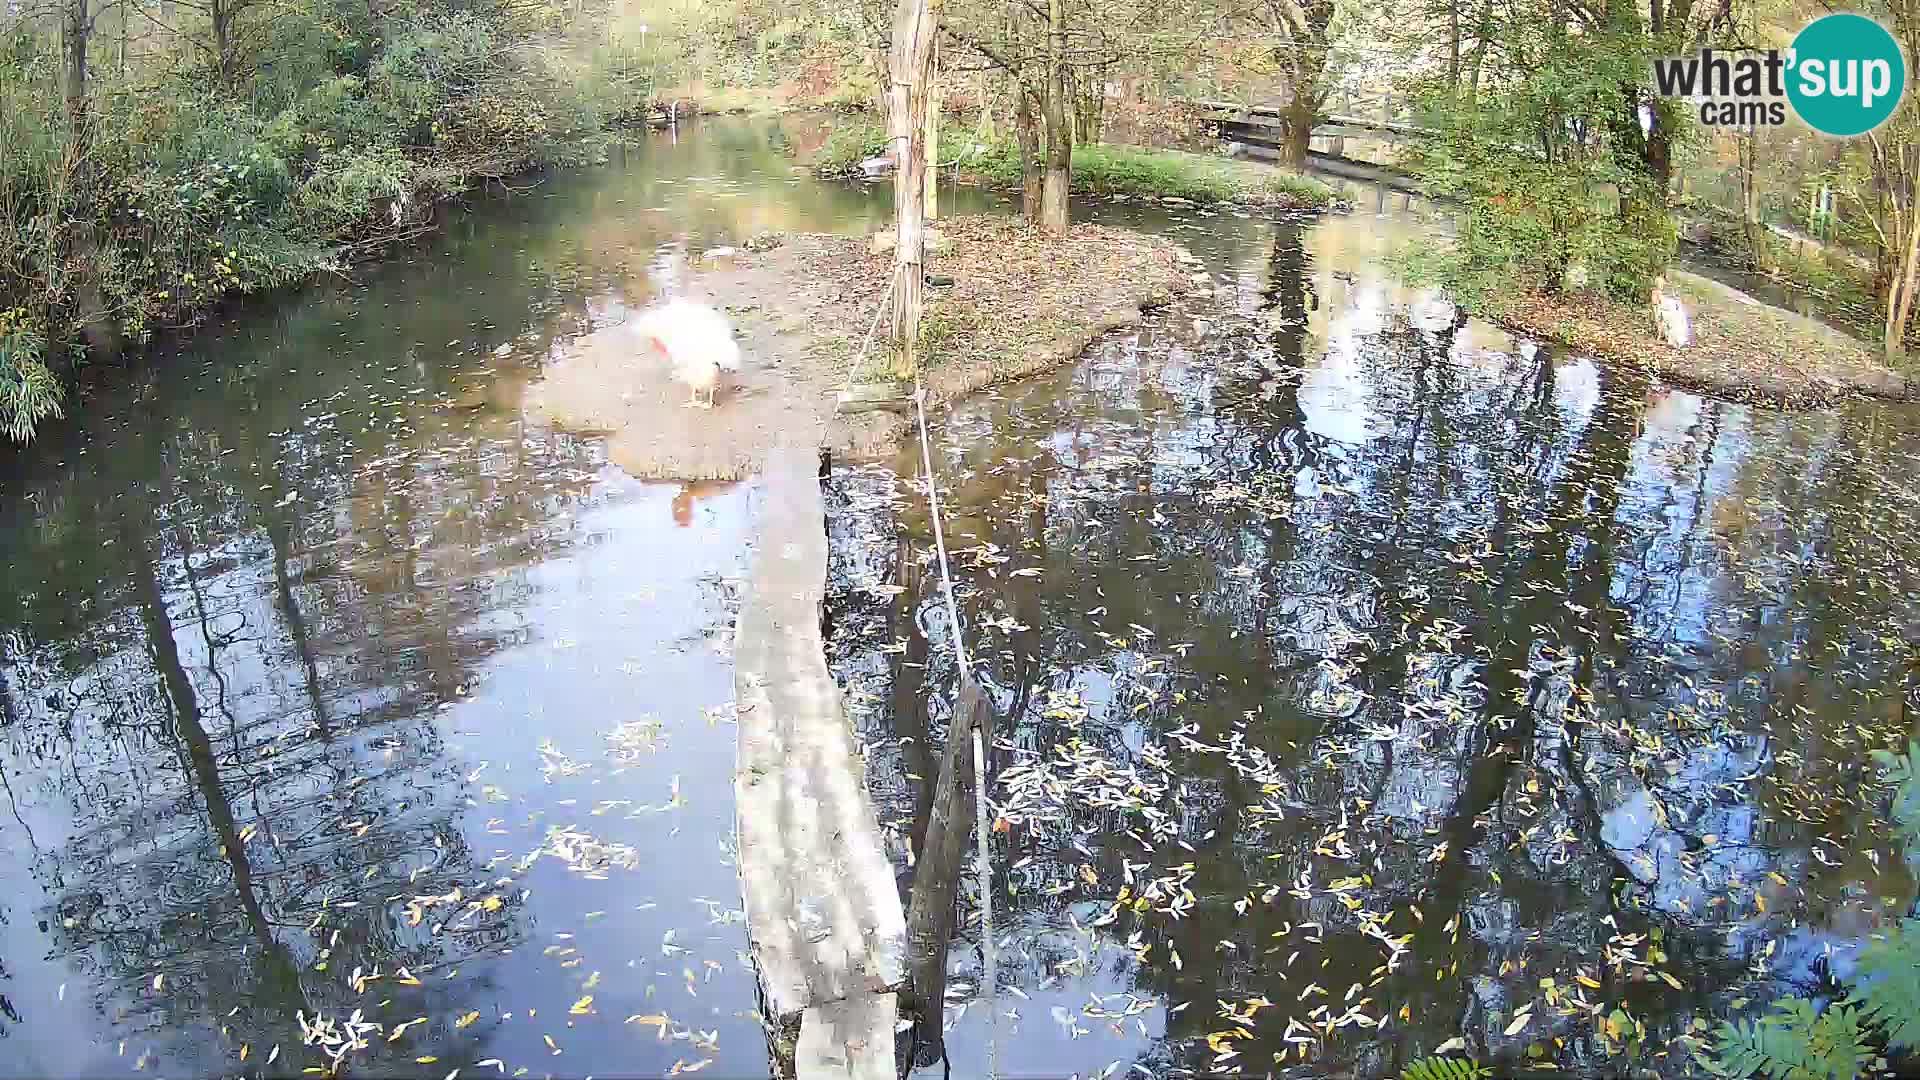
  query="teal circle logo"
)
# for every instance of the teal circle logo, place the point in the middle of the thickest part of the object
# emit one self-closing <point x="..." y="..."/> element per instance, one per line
<point x="1845" y="75"/>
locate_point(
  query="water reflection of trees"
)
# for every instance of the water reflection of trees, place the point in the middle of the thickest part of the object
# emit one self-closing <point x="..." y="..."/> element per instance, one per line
<point x="1570" y="658"/>
<point x="229" y="628"/>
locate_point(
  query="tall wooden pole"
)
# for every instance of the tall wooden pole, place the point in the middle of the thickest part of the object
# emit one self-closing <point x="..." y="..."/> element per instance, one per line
<point x="933" y="130"/>
<point x="910" y="63"/>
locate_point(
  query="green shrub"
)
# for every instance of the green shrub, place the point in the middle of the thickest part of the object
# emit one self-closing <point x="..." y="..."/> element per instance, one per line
<point x="1798" y="1040"/>
<point x="1446" y="1068"/>
<point x="179" y="193"/>
<point x="850" y="143"/>
<point x="29" y="390"/>
<point x="1102" y="169"/>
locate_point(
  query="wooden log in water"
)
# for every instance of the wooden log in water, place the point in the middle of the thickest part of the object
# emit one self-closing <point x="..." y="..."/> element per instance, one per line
<point x="823" y="914"/>
<point x="936" y="873"/>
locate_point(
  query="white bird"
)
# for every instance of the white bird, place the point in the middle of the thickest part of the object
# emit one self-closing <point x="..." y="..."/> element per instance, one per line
<point x="1670" y="316"/>
<point x="697" y="341"/>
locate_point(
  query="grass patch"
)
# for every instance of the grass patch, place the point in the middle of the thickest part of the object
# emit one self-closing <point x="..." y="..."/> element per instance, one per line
<point x="749" y="100"/>
<point x="1098" y="169"/>
<point x="1138" y="172"/>
<point x="1741" y="349"/>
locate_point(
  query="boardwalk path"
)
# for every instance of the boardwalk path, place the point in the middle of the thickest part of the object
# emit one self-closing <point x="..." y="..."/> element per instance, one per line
<point x="823" y="913"/>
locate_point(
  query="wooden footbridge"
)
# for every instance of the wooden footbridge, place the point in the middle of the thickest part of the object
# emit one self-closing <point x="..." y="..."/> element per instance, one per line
<point x="1378" y="117"/>
<point x="824" y="918"/>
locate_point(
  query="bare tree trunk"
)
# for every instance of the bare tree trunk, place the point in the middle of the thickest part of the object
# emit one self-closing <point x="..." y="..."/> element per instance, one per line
<point x="933" y="134"/>
<point x="1750" y="228"/>
<point x="986" y="129"/>
<point x="1453" y="45"/>
<point x="1483" y="29"/>
<point x="1089" y="90"/>
<point x="1096" y="120"/>
<point x="222" y="16"/>
<point x="914" y="24"/>
<point x="1900" y="297"/>
<point x="75" y="27"/>
<point x="1299" y="130"/>
<point x="1027" y="132"/>
<point x="1053" y="192"/>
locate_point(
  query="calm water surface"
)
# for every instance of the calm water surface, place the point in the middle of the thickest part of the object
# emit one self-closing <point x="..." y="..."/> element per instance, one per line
<point x="1356" y="675"/>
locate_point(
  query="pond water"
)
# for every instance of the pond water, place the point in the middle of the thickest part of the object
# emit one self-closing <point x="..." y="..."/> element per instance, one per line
<point x="1385" y="666"/>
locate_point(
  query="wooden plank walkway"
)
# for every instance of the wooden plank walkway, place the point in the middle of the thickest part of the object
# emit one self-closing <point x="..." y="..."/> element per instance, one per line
<point x="1272" y="116"/>
<point x="823" y="914"/>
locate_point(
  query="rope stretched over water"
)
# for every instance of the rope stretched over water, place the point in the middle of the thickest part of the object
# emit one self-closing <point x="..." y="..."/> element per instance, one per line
<point x="982" y="865"/>
<point x="886" y="301"/>
<point x="982" y="870"/>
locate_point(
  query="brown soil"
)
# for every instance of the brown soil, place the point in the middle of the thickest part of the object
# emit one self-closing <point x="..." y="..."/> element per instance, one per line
<point x="1742" y="348"/>
<point x="1021" y="304"/>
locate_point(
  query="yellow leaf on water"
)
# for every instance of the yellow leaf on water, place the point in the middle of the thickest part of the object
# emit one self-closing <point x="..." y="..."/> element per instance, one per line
<point x="1589" y="983"/>
<point x="1518" y="1023"/>
<point x="467" y="1020"/>
<point x="425" y="1059"/>
<point x="583" y="1006"/>
<point x="1671" y="981"/>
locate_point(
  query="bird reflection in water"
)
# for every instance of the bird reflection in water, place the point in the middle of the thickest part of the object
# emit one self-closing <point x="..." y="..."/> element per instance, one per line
<point x="694" y="490"/>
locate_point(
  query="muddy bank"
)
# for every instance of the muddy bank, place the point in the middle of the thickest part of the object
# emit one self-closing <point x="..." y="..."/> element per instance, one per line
<point x="1742" y="349"/>
<point x="1020" y="304"/>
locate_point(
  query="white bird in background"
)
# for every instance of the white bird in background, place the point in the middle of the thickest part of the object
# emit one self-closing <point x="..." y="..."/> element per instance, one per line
<point x="1670" y="316"/>
<point x="697" y="341"/>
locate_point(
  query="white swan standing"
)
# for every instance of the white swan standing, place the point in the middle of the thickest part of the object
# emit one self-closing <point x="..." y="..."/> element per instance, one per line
<point x="697" y="340"/>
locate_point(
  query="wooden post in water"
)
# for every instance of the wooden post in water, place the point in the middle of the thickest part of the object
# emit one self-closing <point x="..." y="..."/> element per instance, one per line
<point x="914" y="25"/>
<point x="936" y="873"/>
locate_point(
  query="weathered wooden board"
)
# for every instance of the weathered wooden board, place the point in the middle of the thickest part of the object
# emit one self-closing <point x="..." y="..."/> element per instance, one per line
<point x="823" y="914"/>
<point x="848" y="1040"/>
